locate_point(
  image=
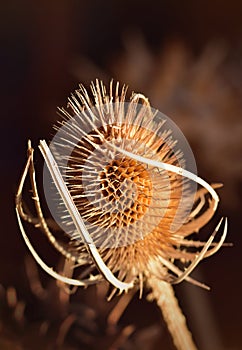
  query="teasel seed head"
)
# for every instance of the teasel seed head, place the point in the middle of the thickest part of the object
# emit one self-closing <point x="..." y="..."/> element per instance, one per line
<point x="128" y="181"/>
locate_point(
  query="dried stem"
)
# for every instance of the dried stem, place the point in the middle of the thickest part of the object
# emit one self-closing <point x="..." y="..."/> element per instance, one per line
<point x="165" y="297"/>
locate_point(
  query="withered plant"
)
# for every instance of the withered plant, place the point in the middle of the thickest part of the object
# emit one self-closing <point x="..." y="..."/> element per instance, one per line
<point x="125" y="201"/>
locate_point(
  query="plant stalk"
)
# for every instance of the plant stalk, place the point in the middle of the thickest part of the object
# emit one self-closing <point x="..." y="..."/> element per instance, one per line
<point x="165" y="297"/>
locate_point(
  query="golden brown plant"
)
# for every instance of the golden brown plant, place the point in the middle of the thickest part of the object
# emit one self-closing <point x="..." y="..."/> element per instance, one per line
<point x="124" y="199"/>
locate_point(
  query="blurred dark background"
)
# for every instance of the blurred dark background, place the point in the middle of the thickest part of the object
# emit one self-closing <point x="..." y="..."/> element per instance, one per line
<point x="187" y="58"/>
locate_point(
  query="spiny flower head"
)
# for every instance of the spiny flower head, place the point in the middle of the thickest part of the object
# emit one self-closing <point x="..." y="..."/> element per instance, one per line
<point x="126" y="176"/>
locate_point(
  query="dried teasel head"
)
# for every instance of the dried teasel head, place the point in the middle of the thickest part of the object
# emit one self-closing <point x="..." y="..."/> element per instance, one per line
<point x="125" y="194"/>
<point x="120" y="180"/>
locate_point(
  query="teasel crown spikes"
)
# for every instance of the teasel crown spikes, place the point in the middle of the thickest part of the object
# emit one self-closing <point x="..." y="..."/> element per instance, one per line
<point x="131" y="208"/>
